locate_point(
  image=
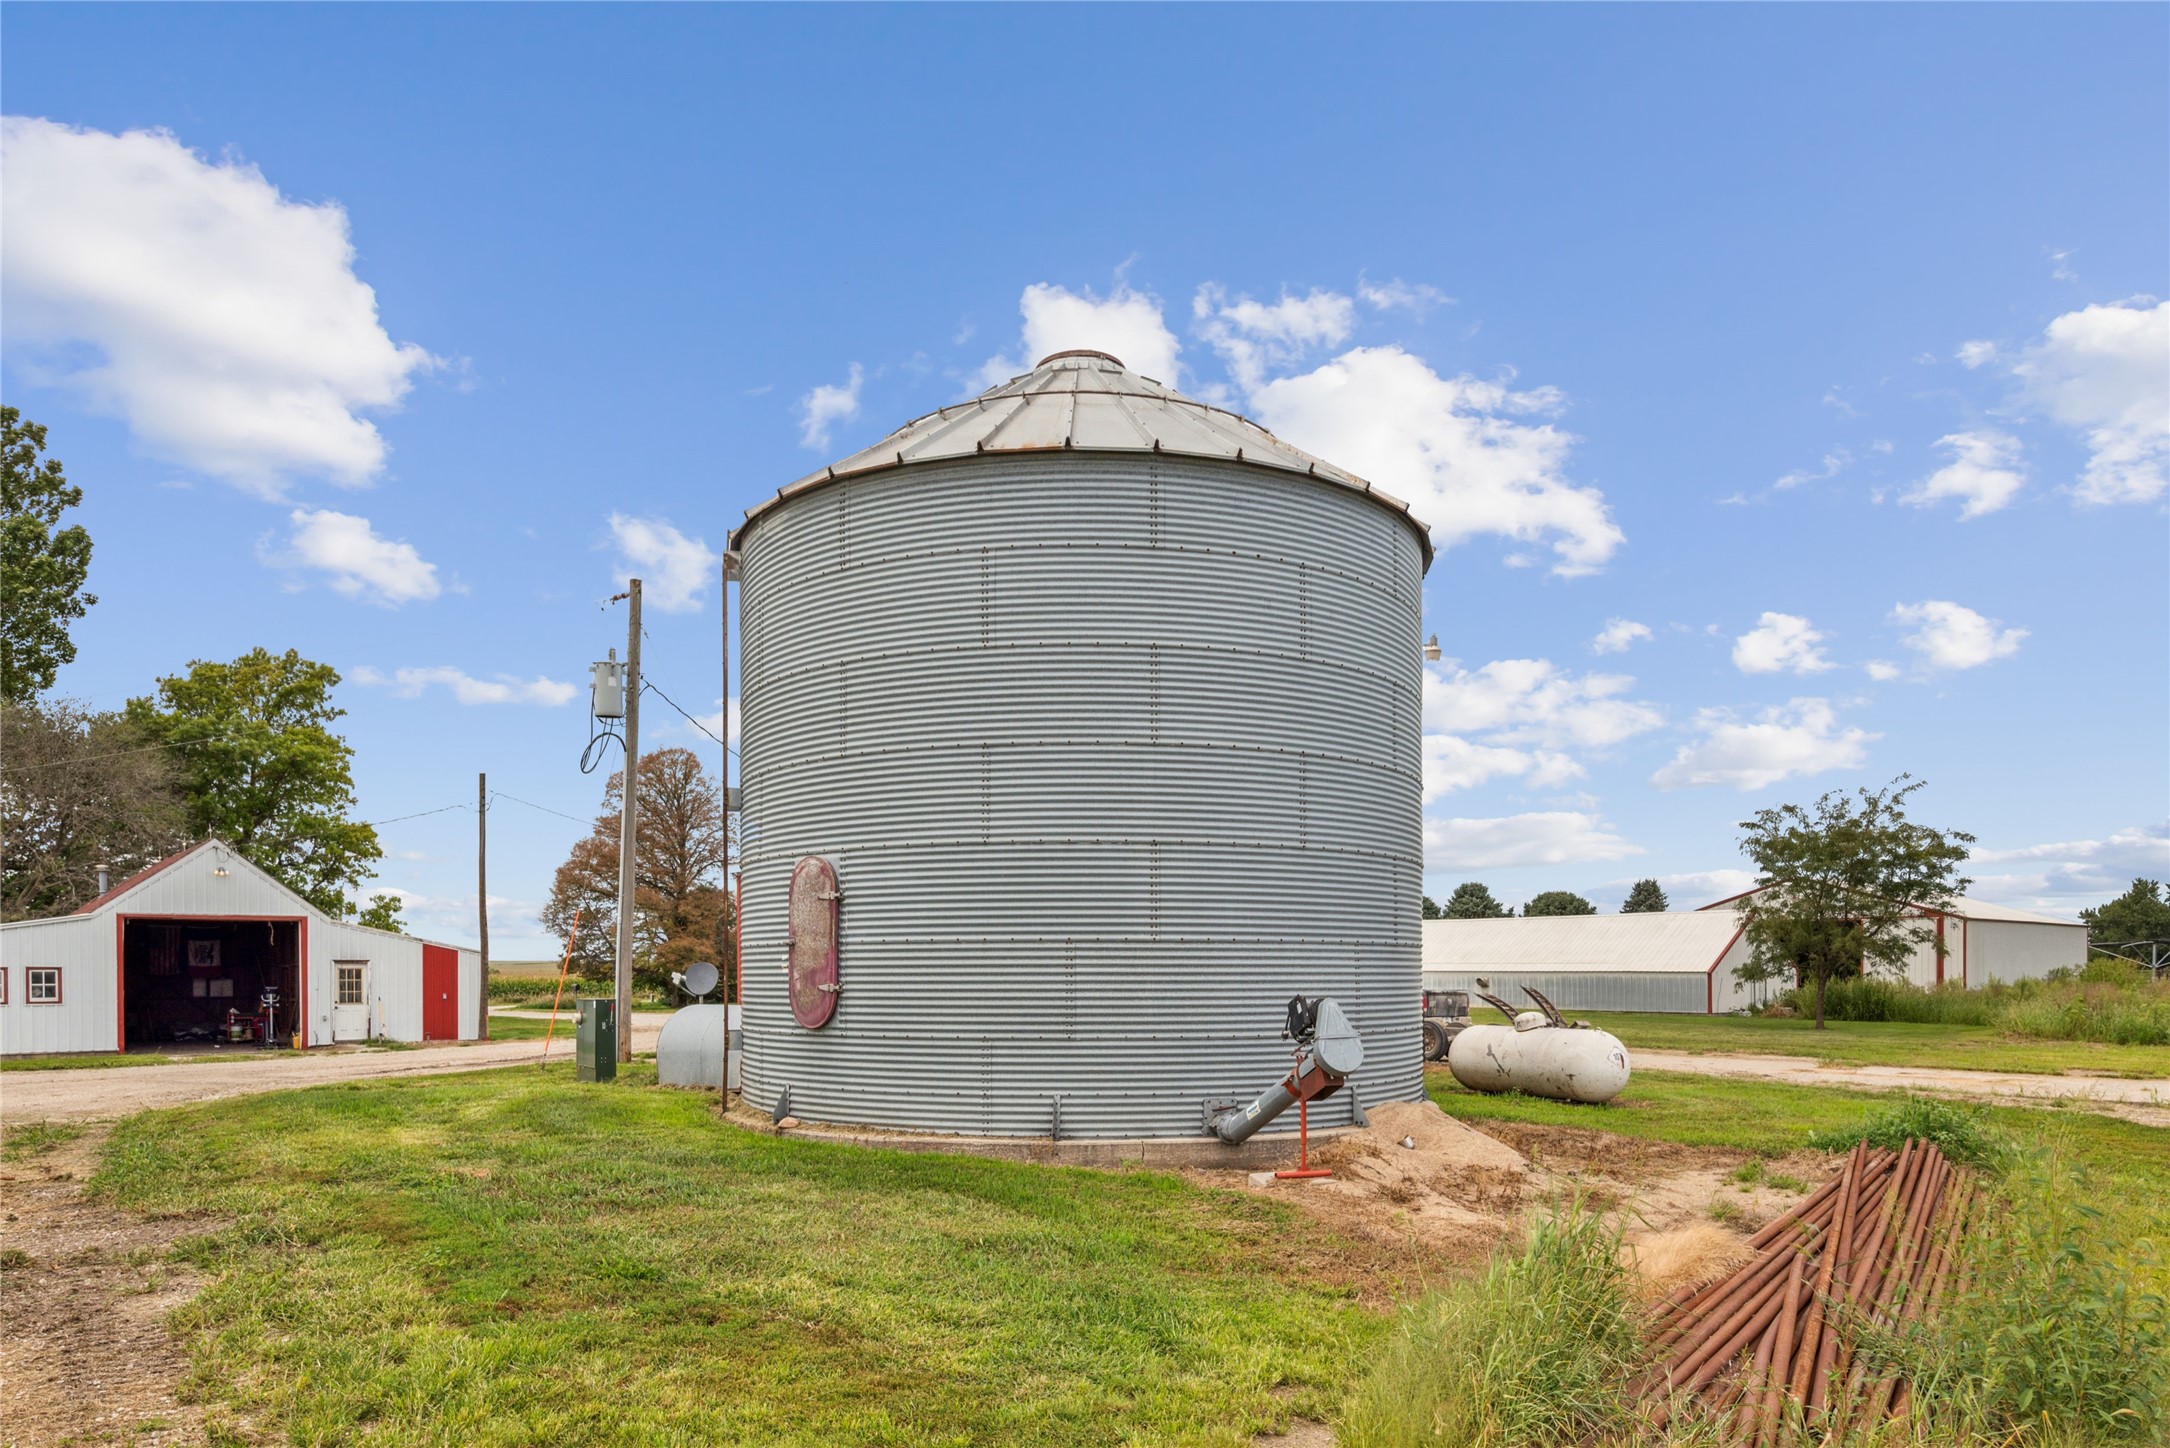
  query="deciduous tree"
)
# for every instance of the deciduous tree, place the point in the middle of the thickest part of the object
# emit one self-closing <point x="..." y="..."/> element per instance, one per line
<point x="1472" y="901"/>
<point x="382" y="913"/>
<point x="1645" y="898"/>
<point x="80" y="789"/>
<point x="42" y="565"/>
<point x="1557" y="902"/>
<point x="681" y="908"/>
<point x="2140" y="914"/>
<point x="1844" y="886"/>
<point x="260" y="767"/>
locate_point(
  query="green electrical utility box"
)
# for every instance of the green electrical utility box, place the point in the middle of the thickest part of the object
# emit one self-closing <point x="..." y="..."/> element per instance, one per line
<point x="597" y="1040"/>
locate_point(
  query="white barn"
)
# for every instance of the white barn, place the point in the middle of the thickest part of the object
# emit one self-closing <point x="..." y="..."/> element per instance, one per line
<point x="1685" y="960"/>
<point x="164" y="955"/>
<point x="1671" y="961"/>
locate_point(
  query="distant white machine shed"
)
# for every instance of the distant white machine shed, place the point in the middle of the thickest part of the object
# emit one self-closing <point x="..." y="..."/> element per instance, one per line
<point x="1684" y="961"/>
<point x="163" y="956"/>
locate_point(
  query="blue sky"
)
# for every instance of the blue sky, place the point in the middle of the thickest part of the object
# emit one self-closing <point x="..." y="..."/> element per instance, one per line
<point x="1821" y="343"/>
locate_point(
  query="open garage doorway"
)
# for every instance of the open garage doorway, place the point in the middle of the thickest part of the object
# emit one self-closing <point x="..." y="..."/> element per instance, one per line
<point x="204" y="981"/>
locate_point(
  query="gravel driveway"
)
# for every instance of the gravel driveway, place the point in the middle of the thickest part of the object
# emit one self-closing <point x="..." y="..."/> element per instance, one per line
<point x="89" y="1093"/>
<point x="2147" y="1102"/>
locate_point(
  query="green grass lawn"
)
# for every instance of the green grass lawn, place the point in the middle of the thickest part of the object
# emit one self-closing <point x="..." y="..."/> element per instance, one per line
<point x="508" y="1257"/>
<point x="522" y="1028"/>
<point x="105" y="1059"/>
<point x="1872" y="1043"/>
<point x="502" y="1028"/>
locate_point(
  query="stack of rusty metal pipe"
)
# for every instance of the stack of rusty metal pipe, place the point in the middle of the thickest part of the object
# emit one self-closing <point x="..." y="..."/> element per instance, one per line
<point x="1775" y="1348"/>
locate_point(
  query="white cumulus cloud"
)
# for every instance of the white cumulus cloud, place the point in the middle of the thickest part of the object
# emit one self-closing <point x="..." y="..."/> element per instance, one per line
<point x="357" y="562"/>
<point x="1398" y="295"/>
<point x="1252" y="336"/>
<point x="220" y="320"/>
<point x="1780" y="643"/>
<point x="1975" y="354"/>
<point x="1984" y="473"/>
<point x="1797" y="738"/>
<point x="1550" y="837"/>
<point x="1883" y="671"/>
<point x="827" y="405"/>
<point x="2105" y="371"/>
<point x="1535" y="702"/>
<point x="1517" y="719"/>
<point x="1462" y="452"/>
<point x="1125" y="324"/>
<point x="1617" y="635"/>
<point x="674" y="570"/>
<point x="1951" y="636"/>
<point x="2066" y="876"/>
<point x="1452" y="763"/>
<point x="466" y="688"/>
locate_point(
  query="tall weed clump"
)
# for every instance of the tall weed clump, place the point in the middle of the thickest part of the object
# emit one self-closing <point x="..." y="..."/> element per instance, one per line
<point x="1961" y="1132"/>
<point x="2050" y="1338"/>
<point x="2093" y="1011"/>
<point x="1541" y="1350"/>
<point x="1870" y="999"/>
<point x="2108" y="1000"/>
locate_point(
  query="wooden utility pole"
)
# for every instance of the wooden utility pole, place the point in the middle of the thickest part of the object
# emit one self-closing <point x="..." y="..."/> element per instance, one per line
<point x="482" y="888"/>
<point x="629" y="823"/>
<point x="729" y="963"/>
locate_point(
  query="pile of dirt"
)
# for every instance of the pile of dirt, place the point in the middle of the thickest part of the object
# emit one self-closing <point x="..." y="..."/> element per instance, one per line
<point x="1683" y="1212"/>
<point x="1426" y="1172"/>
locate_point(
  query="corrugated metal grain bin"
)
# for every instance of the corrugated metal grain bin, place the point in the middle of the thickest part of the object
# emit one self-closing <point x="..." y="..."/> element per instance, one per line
<point x="1102" y="707"/>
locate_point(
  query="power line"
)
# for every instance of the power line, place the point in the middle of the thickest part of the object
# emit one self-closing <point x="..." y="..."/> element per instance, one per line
<point x="117" y="753"/>
<point x="561" y="814"/>
<point x="395" y="819"/>
<point x="651" y="686"/>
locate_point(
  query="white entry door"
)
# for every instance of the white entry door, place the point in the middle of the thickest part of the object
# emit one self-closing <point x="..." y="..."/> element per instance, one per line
<point x="350" y="1000"/>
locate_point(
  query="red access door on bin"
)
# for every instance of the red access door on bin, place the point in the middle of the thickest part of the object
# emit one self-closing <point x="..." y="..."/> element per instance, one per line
<point x="440" y="993"/>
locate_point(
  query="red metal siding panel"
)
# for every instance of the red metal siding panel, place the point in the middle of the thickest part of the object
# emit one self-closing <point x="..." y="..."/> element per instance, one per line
<point x="440" y="993"/>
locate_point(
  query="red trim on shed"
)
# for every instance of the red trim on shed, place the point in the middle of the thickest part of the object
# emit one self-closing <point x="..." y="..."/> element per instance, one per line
<point x="120" y="964"/>
<point x="58" y="985"/>
<point x="92" y="907"/>
<point x="1710" y="976"/>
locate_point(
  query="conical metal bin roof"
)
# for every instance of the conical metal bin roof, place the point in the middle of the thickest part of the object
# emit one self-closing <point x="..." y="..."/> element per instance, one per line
<point x="1086" y="401"/>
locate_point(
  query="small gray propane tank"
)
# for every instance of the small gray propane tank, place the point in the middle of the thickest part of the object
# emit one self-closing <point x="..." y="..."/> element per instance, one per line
<point x="1563" y="1062"/>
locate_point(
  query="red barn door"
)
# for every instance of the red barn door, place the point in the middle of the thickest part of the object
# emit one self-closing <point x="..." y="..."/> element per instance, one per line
<point x="440" y="993"/>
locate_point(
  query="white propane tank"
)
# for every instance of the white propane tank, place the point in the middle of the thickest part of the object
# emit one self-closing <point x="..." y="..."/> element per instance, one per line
<point x="1564" y="1064"/>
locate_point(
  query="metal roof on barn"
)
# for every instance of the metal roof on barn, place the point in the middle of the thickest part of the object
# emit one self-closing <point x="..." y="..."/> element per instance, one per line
<point x="1681" y="940"/>
<point x="1087" y="401"/>
<point x="1963" y="906"/>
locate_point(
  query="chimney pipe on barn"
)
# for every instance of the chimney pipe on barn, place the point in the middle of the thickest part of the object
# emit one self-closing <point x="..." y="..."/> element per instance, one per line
<point x="104" y="876"/>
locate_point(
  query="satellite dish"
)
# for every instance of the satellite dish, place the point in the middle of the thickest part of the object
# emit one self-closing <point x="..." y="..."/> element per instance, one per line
<point x="700" y="979"/>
